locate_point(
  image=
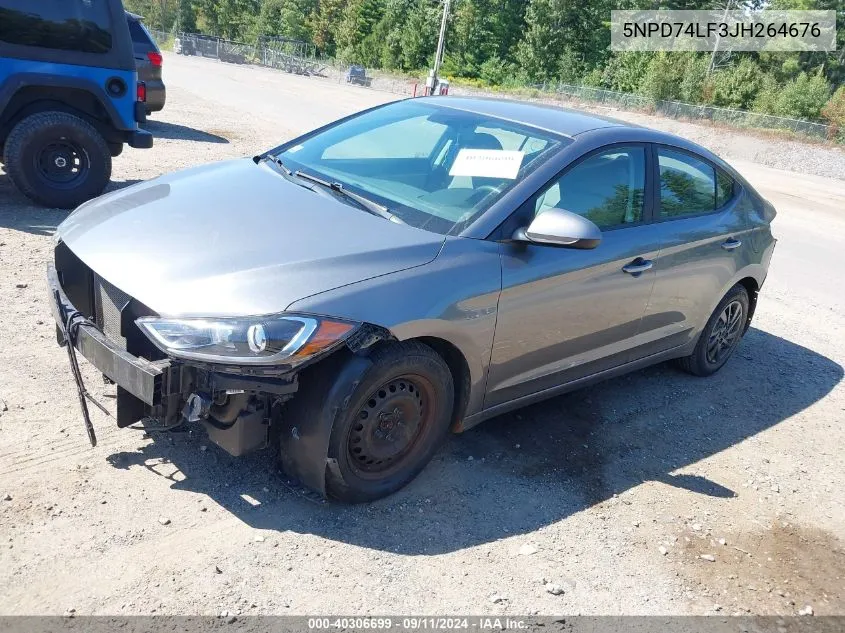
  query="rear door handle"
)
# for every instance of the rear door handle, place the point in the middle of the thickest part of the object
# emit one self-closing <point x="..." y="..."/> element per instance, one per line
<point x="639" y="265"/>
<point x="731" y="243"/>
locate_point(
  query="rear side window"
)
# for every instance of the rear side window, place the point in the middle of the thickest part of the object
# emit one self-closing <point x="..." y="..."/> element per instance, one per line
<point x="606" y="188"/>
<point x="689" y="186"/>
<point x="724" y="189"/>
<point x="139" y="34"/>
<point x="74" y="25"/>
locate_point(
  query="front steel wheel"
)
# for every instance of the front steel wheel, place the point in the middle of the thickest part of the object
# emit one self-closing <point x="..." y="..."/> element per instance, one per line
<point x="721" y="336"/>
<point x="390" y="424"/>
<point x="396" y="418"/>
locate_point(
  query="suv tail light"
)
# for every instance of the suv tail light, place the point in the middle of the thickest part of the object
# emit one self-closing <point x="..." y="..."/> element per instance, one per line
<point x="155" y="58"/>
<point x="142" y="92"/>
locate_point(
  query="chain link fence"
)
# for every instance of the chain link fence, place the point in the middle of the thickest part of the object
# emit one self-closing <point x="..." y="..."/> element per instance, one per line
<point x="283" y="54"/>
<point x="299" y="58"/>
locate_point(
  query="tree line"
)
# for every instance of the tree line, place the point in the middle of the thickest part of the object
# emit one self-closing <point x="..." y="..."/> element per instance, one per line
<point x="512" y="43"/>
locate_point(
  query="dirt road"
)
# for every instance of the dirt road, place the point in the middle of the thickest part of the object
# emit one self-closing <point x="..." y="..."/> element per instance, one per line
<point x="614" y="493"/>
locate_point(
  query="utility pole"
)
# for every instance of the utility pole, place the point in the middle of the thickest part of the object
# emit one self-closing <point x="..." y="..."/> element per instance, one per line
<point x="431" y="84"/>
<point x="712" y="66"/>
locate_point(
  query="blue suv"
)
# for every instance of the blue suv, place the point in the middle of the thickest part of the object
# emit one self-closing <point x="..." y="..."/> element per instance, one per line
<point x="69" y="97"/>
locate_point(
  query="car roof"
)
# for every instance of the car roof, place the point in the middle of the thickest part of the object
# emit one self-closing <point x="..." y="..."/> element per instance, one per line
<point x="547" y="117"/>
<point x="571" y="123"/>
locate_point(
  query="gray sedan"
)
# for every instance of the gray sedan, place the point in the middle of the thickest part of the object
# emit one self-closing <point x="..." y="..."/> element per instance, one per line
<point x="356" y="293"/>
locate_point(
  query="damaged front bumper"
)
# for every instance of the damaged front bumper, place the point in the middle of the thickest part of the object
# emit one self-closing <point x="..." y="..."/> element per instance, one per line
<point x="138" y="376"/>
<point x="236" y="409"/>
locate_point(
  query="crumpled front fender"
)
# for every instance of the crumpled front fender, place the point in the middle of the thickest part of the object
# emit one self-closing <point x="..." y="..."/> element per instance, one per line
<point x="324" y="393"/>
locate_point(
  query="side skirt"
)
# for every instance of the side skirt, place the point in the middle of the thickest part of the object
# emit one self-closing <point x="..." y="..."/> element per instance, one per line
<point x="518" y="403"/>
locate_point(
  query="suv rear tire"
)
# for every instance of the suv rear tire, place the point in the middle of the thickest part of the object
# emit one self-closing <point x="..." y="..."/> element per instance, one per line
<point x="57" y="159"/>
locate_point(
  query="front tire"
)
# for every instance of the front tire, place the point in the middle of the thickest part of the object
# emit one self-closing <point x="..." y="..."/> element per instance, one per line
<point x="57" y="159"/>
<point x="390" y="425"/>
<point x="721" y="336"/>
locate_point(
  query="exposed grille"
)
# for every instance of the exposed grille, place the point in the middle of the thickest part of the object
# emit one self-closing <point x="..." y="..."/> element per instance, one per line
<point x="108" y="303"/>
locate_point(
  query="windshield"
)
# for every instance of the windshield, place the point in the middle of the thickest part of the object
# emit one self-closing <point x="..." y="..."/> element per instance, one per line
<point x="432" y="167"/>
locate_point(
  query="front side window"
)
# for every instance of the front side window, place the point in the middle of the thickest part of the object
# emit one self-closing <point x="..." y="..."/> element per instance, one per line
<point x="74" y="25"/>
<point x="435" y="168"/>
<point x="689" y="186"/>
<point x="607" y="188"/>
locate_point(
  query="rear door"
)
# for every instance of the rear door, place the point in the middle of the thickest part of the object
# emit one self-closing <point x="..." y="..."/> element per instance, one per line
<point x="700" y="217"/>
<point x="565" y="314"/>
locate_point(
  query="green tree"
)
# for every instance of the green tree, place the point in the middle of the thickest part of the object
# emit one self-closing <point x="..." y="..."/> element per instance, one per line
<point x="158" y="14"/>
<point x="694" y="81"/>
<point x="288" y="18"/>
<point x="354" y="41"/>
<point x="625" y="71"/>
<point x="481" y="30"/>
<point x="206" y="16"/>
<point x="186" y="17"/>
<point x="662" y="79"/>
<point x="737" y="86"/>
<point x="324" y="25"/>
<point x="419" y="36"/>
<point x="236" y="18"/>
<point x="834" y="112"/>
<point x="803" y="97"/>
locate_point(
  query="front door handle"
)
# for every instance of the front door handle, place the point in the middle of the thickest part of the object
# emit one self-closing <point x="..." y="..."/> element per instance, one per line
<point x="639" y="265"/>
<point x="731" y="243"/>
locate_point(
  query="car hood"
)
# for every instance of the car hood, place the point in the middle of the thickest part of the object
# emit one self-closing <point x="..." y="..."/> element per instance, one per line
<point x="235" y="238"/>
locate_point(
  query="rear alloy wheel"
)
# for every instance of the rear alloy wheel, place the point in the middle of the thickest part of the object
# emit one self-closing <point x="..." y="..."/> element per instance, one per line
<point x="720" y="336"/>
<point x="396" y="418"/>
<point x="57" y="159"/>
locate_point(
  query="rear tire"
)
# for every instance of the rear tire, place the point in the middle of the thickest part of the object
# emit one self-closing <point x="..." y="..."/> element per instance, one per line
<point x="390" y="425"/>
<point x="57" y="159"/>
<point x="721" y="336"/>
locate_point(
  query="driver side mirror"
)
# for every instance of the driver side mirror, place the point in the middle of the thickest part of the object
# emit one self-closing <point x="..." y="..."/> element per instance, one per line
<point x="558" y="227"/>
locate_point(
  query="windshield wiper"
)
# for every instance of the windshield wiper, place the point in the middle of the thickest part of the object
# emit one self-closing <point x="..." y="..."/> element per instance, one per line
<point x="275" y="160"/>
<point x="365" y="203"/>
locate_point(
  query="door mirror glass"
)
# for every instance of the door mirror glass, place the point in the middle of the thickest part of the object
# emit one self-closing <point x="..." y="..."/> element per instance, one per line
<point x="559" y="227"/>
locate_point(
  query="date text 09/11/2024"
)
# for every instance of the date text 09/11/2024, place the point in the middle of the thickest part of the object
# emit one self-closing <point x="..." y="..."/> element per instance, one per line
<point x="421" y="623"/>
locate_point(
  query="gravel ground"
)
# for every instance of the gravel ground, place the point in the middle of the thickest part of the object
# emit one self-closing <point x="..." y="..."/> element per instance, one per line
<point x="655" y="493"/>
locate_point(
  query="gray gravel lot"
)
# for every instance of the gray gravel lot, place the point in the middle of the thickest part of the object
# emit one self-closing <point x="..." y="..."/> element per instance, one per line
<point x="655" y="493"/>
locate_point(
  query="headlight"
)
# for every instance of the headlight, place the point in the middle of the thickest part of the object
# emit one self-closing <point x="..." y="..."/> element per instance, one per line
<point x="246" y="340"/>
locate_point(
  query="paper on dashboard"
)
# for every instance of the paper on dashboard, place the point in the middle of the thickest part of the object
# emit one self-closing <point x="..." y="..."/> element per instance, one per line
<point x="487" y="163"/>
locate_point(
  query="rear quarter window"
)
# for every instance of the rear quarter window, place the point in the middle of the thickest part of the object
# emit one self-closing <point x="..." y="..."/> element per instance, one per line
<point x="688" y="186"/>
<point x="139" y="34"/>
<point x="74" y="25"/>
<point x="725" y="188"/>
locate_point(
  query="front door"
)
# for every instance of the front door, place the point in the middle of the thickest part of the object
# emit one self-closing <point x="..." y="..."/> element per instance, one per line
<point x="563" y="313"/>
